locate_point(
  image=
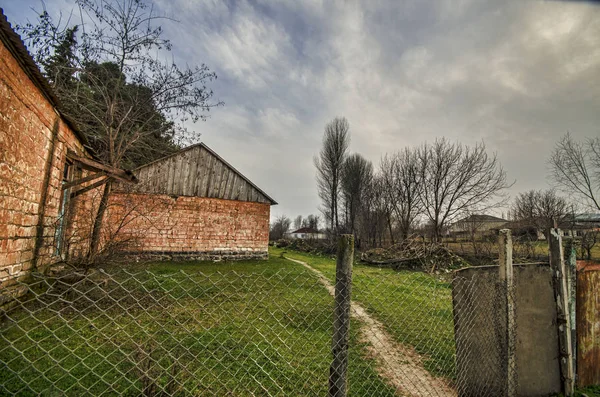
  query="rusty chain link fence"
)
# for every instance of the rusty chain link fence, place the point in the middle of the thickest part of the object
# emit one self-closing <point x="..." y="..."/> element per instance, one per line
<point x="256" y="329"/>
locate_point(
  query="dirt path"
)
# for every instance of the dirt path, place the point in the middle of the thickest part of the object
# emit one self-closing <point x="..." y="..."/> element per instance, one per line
<point x="402" y="366"/>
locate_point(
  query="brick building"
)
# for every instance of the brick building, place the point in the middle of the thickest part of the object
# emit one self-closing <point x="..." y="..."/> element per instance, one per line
<point x="40" y="150"/>
<point x="191" y="205"/>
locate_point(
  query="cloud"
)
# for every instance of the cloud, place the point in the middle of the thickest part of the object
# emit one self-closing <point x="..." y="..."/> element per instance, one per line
<point x="514" y="74"/>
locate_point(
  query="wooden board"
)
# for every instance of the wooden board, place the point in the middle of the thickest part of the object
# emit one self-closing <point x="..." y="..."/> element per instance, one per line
<point x="588" y="327"/>
<point x="197" y="171"/>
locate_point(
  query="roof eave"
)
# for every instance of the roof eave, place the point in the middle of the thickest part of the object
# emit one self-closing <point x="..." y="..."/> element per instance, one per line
<point x="17" y="48"/>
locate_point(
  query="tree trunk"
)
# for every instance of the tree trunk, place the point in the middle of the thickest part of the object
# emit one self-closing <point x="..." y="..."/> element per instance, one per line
<point x="98" y="221"/>
<point x="405" y="228"/>
<point x="331" y="220"/>
<point x="389" y="222"/>
<point x="436" y="234"/>
<point x="337" y="221"/>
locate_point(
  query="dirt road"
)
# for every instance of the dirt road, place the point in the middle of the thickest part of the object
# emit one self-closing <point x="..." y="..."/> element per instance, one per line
<point x="400" y="365"/>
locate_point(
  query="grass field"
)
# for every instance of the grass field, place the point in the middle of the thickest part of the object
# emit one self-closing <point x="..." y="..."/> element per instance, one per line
<point x="415" y="308"/>
<point x="236" y="329"/>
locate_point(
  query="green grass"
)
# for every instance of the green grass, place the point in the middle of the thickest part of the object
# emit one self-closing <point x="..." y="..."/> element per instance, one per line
<point x="590" y="391"/>
<point x="236" y="329"/>
<point x="415" y="308"/>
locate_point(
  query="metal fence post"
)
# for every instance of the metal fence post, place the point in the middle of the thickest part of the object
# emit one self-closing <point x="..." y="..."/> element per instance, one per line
<point x="561" y="293"/>
<point x="506" y="279"/>
<point x="341" y="321"/>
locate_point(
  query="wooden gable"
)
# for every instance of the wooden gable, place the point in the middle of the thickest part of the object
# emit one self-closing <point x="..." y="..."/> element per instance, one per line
<point x="197" y="171"/>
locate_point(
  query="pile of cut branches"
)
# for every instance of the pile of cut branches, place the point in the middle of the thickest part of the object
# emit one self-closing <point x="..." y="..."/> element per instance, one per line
<point x="415" y="254"/>
<point x="318" y="247"/>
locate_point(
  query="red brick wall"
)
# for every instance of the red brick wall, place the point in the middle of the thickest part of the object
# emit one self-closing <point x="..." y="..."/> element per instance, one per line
<point x="33" y="140"/>
<point x="189" y="227"/>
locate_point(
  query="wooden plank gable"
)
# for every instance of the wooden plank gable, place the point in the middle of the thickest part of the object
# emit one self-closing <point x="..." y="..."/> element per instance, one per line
<point x="197" y="171"/>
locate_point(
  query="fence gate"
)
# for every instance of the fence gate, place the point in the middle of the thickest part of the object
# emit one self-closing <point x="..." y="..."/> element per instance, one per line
<point x="481" y="331"/>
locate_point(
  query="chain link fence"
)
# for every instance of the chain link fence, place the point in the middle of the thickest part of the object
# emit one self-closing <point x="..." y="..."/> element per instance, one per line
<point x="255" y="328"/>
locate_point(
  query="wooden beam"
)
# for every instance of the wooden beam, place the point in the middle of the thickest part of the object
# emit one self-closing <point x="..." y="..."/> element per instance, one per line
<point x="90" y="187"/>
<point x="91" y="165"/>
<point x="83" y="180"/>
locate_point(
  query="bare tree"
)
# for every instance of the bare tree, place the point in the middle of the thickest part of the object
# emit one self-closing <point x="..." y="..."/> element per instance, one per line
<point x="589" y="238"/>
<point x="280" y="227"/>
<point x="576" y="168"/>
<point x="541" y="209"/>
<point x="357" y="172"/>
<point x="128" y="103"/>
<point x="402" y="185"/>
<point x="456" y="179"/>
<point x="329" y="163"/>
<point x="298" y="222"/>
<point x="311" y="221"/>
<point x="375" y="215"/>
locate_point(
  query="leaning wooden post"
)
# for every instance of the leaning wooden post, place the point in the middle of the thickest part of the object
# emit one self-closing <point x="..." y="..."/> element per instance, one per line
<point x="561" y="293"/>
<point x="341" y="321"/>
<point x="571" y="259"/>
<point x="507" y="283"/>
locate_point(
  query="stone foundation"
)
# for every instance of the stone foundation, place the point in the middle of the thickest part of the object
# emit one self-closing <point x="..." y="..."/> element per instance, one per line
<point x="215" y="256"/>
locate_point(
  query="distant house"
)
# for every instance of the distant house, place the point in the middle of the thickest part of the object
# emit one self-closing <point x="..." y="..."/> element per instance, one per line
<point x="306" y="233"/>
<point x="579" y="224"/>
<point x="587" y="221"/>
<point x="570" y="226"/>
<point x="476" y="224"/>
<point x="521" y="228"/>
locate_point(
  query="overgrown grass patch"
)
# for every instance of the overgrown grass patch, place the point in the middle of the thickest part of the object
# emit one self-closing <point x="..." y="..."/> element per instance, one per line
<point x="232" y="328"/>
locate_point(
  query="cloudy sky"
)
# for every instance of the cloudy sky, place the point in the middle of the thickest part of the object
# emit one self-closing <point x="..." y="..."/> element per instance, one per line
<point x="517" y="75"/>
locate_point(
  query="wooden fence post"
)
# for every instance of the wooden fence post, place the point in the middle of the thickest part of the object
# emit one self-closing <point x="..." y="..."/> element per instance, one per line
<point x="561" y="293"/>
<point x="506" y="279"/>
<point x="571" y="259"/>
<point x="341" y="321"/>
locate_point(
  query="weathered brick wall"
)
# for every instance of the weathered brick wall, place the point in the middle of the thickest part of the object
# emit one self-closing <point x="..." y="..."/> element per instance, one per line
<point x="161" y="226"/>
<point x="33" y="146"/>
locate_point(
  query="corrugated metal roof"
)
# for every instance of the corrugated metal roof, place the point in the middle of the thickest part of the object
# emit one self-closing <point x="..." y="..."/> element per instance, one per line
<point x="587" y="217"/>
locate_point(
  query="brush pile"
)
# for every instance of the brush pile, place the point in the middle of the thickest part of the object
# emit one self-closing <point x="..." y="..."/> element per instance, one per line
<point x="415" y="254"/>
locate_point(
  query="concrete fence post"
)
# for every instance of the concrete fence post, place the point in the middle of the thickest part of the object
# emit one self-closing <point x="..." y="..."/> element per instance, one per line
<point x="507" y="282"/>
<point x="561" y="294"/>
<point x="571" y="259"/>
<point x="341" y="320"/>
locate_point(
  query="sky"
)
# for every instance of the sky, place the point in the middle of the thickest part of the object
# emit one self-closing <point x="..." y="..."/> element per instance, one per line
<point x="516" y="75"/>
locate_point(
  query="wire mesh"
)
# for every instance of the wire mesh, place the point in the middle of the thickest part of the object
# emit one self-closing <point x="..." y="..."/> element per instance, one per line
<point x="147" y="333"/>
<point x="430" y="335"/>
<point x="254" y="330"/>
